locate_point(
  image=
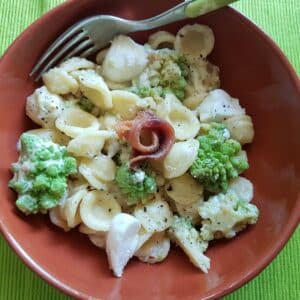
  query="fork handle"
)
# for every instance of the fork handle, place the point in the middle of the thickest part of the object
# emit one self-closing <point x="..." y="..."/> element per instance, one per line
<point x="174" y="14"/>
<point x="186" y="9"/>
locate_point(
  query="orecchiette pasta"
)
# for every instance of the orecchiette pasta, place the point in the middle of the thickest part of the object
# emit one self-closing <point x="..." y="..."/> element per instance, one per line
<point x="52" y="134"/>
<point x="155" y="249"/>
<point x="180" y="158"/>
<point x="97" y="209"/>
<point x="183" y="120"/>
<point x="184" y="190"/>
<point x="195" y="40"/>
<point x="70" y="208"/>
<point x="57" y="219"/>
<point x="161" y="39"/>
<point x="58" y="81"/>
<point x="74" y="121"/>
<point x="98" y="171"/>
<point x="190" y="211"/>
<point x="100" y="56"/>
<point x="125" y="104"/>
<point x="99" y="240"/>
<point x="76" y="63"/>
<point x="108" y="121"/>
<point x="154" y="216"/>
<point x="43" y="107"/>
<point x="241" y="128"/>
<point x="94" y="88"/>
<point x="89" y="144"/>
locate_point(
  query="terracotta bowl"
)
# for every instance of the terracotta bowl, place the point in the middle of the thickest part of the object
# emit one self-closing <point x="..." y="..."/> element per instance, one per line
<point x="252" y="69"/>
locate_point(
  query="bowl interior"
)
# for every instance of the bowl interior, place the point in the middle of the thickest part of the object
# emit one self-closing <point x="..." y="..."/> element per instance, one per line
<point x="253" y="70"/>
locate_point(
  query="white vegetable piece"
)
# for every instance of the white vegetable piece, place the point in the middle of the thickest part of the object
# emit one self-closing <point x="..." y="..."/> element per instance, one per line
<point x="121" y="243"/>
<point x="224" y="215"/>
<point x="242" y="187"/>
<point x="43" y="107"/>
<point x="97" y="210"/>
<point x="58" y="81"/>
<point x="187" y="237"/>
<point x="94" y="88"/>
<point x="124" y="60"/>
<point x="155" y="250"/>
<point x="217" y="106"/>
<point x="180" y="158"/>
<point x="154" y="215"/>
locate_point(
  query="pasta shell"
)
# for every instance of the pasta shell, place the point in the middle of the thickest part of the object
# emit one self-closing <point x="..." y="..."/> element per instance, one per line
<point x="241" y="128"/>
<point x="58" y="81"/>
<point x="99" y="240"/>
<point x="98" y="171"/>
<point x="125" y="104"/>
<point x="184" y="190"/>
<point x="94" y="88"/>
<point x="195" y="40"/>
<point x="70" y="209"/>
<point x="242" y="187"/>
<point x="76" y="63"/>
<point x="97" y="210"/>
<point x="161" y="39"/>
<point x="51" y="134"/>
<point x="155" y="250"/>
<point x="154" y="216"/>
<point x="57" y="219"/>
<point x="180" y="158"/>
<point x="74" y="121"/>
<point x="88" y="144"/>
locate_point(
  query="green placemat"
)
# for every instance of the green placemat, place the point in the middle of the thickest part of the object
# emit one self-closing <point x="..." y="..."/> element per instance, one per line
<point x="281" y="280"/>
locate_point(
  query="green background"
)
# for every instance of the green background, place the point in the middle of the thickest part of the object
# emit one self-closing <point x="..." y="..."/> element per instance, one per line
<point x="281" y="280"/>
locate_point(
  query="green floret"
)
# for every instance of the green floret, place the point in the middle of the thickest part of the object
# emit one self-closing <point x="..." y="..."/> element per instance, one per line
<point x="167" y="72"/>
<point x="135" y="184"/>
<point x="218" y="161"/>
<point x="40" y="175"/>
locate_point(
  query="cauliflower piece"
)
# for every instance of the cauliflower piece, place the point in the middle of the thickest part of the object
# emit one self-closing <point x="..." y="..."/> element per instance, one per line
<point x="242" y="187"/>
<point x="190" y="211"/>
<point x="224" y="215"/>
<point x="166" y="72"/>
<point x="124" y="60"/>
<point x="218" y="106"/>
<point x="43" y="107"/>
<point x="136" y="185"/>
<point x="188" y="238"/>
<point x="40" y="175"/>
<point x="218" y="159"/>
<point x="121" y="242"/>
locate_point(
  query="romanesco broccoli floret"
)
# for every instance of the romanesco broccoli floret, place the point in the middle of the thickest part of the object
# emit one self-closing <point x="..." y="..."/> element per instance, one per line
<point x="188" y="238"/>
<point x="40" y="175"/>
<point x="167" y="72"/>
<point x="218" y="161"/>
<point x="224" y="215"/>
<point x="135" y="184"/>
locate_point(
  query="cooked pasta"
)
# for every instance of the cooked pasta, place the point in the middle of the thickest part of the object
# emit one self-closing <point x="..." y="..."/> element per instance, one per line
<point x="139" y="149"/>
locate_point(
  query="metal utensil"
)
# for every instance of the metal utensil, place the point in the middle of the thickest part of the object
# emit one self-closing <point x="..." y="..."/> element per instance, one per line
<point x="94" y="33"/>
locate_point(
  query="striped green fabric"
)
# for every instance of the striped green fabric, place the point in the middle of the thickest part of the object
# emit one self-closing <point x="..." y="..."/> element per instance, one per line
<point x="281" y="280"/>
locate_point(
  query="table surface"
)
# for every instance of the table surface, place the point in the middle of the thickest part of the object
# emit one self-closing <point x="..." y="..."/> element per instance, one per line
<point x="281" y="279"/>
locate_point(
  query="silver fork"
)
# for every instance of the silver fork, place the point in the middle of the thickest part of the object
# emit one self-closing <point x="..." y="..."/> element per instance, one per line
<point x="94" y="33"/>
